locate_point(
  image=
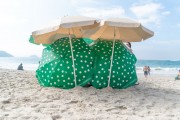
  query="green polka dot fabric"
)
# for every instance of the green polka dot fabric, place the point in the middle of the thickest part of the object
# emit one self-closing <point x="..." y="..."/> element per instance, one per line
<point x="56" y="70"/>
<point x="123" y="73"/>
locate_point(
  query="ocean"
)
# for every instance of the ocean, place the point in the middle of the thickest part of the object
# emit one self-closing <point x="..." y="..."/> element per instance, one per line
<point x="157" y="66"/>
<point x="29" y="63"/>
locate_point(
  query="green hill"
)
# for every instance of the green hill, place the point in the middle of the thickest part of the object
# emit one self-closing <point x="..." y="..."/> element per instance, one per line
<point x="5" y="54"/>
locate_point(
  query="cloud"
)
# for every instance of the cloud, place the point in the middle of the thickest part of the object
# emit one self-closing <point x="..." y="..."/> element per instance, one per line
<point x="9" y="14"/>
<point x="178" y="9"/>
<point x="178" y="25"/>
<point x="87" y="8"/>
<point x="166" y="13"/>
<point x="78" y="2"/>
<point x="149" y="12"/>
<point x="103" y="12"/>
<point x="157" y="49"/>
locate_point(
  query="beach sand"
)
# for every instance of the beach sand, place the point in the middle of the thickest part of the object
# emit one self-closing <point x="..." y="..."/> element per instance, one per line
<point x="21" y="97"/>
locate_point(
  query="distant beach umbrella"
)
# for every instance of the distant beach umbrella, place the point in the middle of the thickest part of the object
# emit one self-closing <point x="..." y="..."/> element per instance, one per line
<point x="121" y="71"/>
<point x="56" y="70"/>
<point x="68" y="27"/>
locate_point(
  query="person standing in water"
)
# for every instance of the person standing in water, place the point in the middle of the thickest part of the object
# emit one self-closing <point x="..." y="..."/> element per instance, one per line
<point x="145" y="69"/>
<point x="149" y="70"/>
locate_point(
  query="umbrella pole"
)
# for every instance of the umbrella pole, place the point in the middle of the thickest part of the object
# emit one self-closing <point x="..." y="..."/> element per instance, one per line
<point x="72" y="60"/>
<point x="112" y="55"/>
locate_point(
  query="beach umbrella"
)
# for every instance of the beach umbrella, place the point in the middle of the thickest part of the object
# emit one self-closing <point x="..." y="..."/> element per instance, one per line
<point x="112" y="56"/>
<point x="69" y="26"/>
<point x="56" y="70"/>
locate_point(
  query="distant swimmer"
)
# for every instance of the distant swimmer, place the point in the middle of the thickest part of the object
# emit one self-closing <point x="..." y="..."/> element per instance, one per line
<point x="20" y="67"/>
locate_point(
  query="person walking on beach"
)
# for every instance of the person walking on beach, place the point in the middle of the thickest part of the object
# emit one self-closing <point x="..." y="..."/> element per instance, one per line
<point x="149" y="70"/>
<point x="145" y="69"/>
<point x="20" y="67"/>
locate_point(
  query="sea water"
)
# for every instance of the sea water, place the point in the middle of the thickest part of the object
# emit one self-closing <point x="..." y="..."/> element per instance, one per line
<point x="29" y="63"/>
<point x="157" y="66"/>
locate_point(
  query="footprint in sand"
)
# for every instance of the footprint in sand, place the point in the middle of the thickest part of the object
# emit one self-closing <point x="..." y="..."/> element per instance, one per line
<point x="116" y="108"/>
<point x="104" y="100"/>
<point x="55" y="117"/>
<point x="72" y="102"/>
<point x="6" y="101"/>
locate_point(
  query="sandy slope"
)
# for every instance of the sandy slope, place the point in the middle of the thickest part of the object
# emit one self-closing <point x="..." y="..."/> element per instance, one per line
<point x="21" y="97"/>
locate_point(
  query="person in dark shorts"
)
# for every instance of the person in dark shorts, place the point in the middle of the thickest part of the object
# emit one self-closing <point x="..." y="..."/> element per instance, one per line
<point x="145" y="69"/>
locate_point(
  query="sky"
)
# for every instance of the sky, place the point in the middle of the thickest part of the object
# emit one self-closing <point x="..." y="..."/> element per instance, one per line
<point x="19" y="18"/>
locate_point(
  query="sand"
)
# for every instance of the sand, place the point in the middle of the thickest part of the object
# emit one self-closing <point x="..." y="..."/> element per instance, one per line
<point x="21" y="97"/>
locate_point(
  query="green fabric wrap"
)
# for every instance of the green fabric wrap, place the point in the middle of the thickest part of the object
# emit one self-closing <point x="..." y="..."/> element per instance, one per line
<point x="55" y="69"/>
<point x="123" y="70"/>
<point x="92" y="64"/>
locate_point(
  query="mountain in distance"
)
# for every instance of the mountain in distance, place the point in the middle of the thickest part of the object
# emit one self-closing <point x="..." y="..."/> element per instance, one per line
<point x="5" y="54"/>
<point x="33" y="56"/>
